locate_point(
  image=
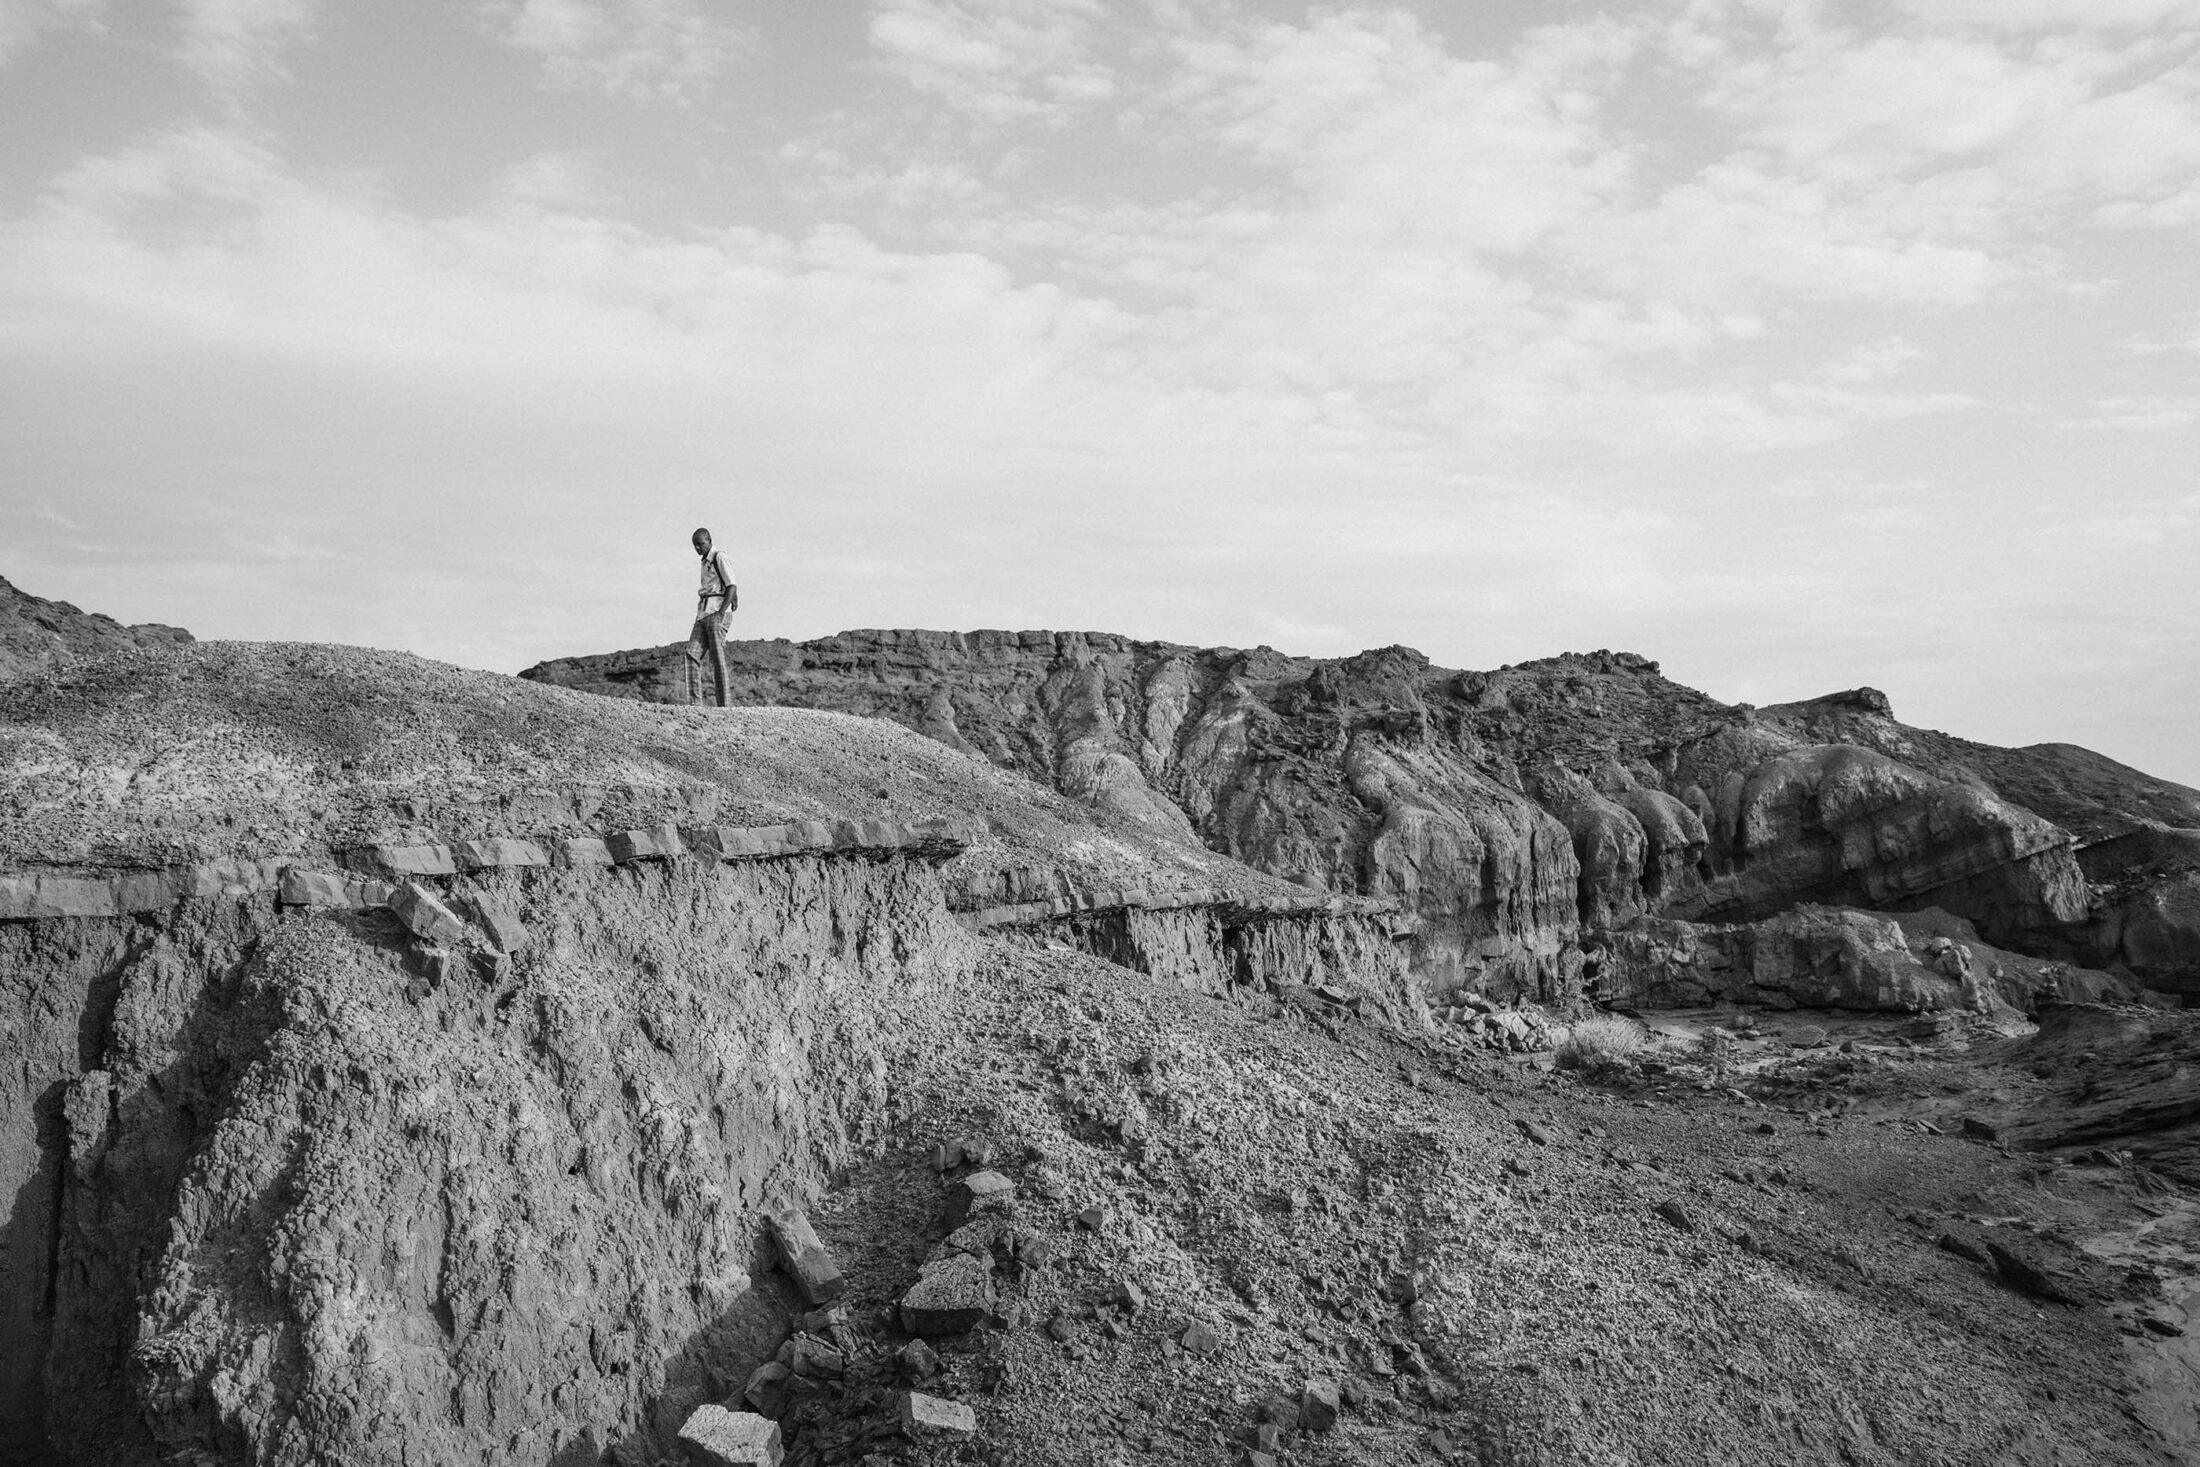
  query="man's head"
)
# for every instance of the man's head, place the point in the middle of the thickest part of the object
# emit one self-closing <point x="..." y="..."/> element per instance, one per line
<point x="701" y="541"/>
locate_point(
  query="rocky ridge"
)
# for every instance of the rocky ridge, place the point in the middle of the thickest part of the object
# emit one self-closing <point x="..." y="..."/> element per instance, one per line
<point x="37" y="635"/>
<point x="1535" y="815"/>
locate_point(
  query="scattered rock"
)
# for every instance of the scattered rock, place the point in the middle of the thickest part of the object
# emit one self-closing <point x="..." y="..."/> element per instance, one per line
<point x="1198" y="1339"/>
<point x="1969" y="1248"/>
<point x="1318" y="1404"/>
<point x="2025" y="1275"/>
<point x="1677" y="1212"/>
<point x="950" y="1297"/>
<point x="506" y="933"/>
<point x="425" y="916"/>
<point x="1810" y="1036"/>
<point x="804" y="1257"/>
<point x="930" y="1416"/>
<point x="767" y="1388"/>
<point x="980" y="1192"/>
<point x="1982" y="1130"/>
<point x="1535" y="1131"/>
<point x="1093" y="1219"/>
<point x="2161" y="1325"/>
<point x="716" y="1437"/>
<point x="916" y="1362"/>
<point x="812" y="1356"/>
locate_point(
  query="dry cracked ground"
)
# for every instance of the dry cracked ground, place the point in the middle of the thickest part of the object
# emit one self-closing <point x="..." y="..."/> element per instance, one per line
<point x="1739" y="1251"/>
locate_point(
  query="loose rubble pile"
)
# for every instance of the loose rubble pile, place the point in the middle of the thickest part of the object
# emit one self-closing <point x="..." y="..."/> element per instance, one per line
<point x="1515" y="1028"/>
<point x="1343" y="1245"/>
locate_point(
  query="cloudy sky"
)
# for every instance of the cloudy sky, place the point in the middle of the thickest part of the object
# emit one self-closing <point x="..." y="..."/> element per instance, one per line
<point x="1799" y="345"/>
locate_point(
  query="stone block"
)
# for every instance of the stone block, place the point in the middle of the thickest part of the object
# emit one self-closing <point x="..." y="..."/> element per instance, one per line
<point x="931" y="1416"/>
<point x="951" y="1296"/>
<point x="1318" y="1404"/>
<point x="321" y="889"/>
<point x="583" y="850"/>
<point x="149" y="891"/>
<point x="499" y="852"/>
<point x="980" y="1192"/>
<point x="653" y="843"/>
<point x="414" y="860"/>
<point x="804" y="1257"/>
<point x="425" y="916"/>
<point x="712" y="842"/>
<point x="507" y="934"/>
<point x="767" y="1388"/>
<point x="716" y="1437"/>
<point x="231" y="879"/>
<point x="33" y="898"/>
<point x="813" y="1357"/>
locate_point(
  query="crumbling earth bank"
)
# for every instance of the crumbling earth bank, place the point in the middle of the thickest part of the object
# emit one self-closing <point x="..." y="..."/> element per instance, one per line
<point x="320" y="1209"/>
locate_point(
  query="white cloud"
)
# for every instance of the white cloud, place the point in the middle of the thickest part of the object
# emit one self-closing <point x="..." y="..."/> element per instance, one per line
<point x="234" y="43"/>
<point x="22" y="21"/>
<point x="2136" y="414"/>
<point x="2039" y="15"/>
<point x="997" y="60"/>
<point x="563" y="178"/>
<point x="1873" y="360"/>
<point x="641" y="50"/>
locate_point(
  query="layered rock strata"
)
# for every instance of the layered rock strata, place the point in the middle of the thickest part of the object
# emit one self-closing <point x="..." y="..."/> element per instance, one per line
<point x="1515" y="813"/>
<point x="1836" y="958"/>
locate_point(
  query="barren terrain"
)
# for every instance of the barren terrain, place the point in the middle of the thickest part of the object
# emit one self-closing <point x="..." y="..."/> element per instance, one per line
<point x="414" y="1065"/>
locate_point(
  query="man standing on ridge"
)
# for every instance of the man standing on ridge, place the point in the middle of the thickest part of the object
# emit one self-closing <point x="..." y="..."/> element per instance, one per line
<point x="715" y="603"/>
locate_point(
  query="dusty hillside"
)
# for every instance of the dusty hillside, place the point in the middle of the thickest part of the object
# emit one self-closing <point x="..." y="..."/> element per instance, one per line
<point x="405" y="1062"/>
<point x="1529" y="813"/>
<point x="285" y="928"/>
<point x="37" y="635"/>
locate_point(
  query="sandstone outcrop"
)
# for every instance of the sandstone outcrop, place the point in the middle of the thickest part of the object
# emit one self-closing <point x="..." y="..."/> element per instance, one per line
<point x="1520" y="812"/>
<point x="2138" y="836"/>
<point x="1833" y="957"/>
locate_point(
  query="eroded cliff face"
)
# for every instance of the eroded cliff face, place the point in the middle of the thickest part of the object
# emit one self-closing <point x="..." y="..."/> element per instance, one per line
<point x="293" y="1191"/>
<point x="1514" y="811"/>
<point x="456" y="1150"/>
<point x="568" y="1163"/>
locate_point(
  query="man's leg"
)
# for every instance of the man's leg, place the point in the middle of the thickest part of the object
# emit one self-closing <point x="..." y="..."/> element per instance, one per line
<point x="717" y="638"/>
<point x="694" y="670"/>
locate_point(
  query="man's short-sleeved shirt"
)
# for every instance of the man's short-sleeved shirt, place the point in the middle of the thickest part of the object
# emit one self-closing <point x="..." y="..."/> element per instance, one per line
<point x="715" y="583"/>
